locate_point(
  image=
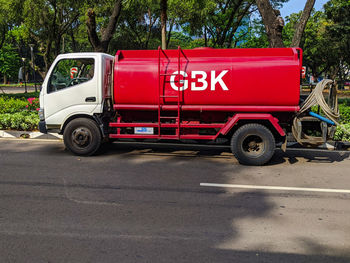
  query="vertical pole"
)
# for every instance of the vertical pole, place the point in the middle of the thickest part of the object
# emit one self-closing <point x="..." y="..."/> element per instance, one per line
<point x="32" y="57"/>
<point x="24" y="75"/>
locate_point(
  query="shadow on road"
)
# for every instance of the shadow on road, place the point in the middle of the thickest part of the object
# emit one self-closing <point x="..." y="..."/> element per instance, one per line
<point x="292" y="155"/>
<point x="171" y="149"/>
<point x="122" y="207"/>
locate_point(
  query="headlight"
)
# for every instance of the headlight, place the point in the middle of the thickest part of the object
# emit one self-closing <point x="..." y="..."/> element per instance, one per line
<point x="41" y="114"/>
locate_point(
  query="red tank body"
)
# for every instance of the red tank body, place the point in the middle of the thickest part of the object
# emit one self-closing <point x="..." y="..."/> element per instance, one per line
<point x="209" y="77"/>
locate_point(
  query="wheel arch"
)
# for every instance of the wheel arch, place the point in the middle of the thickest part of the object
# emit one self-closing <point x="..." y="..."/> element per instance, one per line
<point x="76" y="116"/>
<point x="241" y="119"/>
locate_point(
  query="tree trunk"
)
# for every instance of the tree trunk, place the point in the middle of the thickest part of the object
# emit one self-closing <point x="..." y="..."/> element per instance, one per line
<point x="169" y="32"/>
<point x="5" y="78"/>
<point x="273" y="23"/>
<point x="163" y="19"/>
<point x="46" y="56"/>
<point x="3" y="35"/>
<point x="74" y="43"/>
<point x="101" y="45"/>
<point x="302" y="23"/>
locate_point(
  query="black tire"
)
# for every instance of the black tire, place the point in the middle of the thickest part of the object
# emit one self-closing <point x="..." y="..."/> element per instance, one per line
<point x="82" y="137"/>
<point x="253" y="144"/>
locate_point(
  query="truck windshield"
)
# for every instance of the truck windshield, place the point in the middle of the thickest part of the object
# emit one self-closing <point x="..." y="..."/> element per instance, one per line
<point x="71" y="72"/>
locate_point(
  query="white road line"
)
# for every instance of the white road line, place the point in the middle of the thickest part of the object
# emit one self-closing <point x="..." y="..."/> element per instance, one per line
<point x="281" y="188"/>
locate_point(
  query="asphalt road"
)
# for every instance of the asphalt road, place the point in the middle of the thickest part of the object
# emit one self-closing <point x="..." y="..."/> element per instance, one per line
<point x="144" y="203"/>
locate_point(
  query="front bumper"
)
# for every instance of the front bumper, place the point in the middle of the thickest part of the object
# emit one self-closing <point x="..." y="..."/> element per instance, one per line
<point x="42" y="127"/>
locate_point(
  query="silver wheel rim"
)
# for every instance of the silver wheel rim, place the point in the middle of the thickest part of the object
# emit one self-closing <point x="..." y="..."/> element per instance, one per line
<point x="81" y="137"/>
<point x="253" y="145"/>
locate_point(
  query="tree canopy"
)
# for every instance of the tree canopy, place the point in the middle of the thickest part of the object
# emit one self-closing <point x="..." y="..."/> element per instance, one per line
<point x="61" y="26"/>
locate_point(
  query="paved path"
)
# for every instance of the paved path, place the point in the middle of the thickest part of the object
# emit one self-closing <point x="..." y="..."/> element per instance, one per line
<point x="144" y="203"/>
<point x="14" y="89"/>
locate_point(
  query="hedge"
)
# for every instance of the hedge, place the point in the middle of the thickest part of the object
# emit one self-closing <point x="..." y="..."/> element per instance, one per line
<point x="340" y="135"/>
<point x="22" y="96"/>
<point x="23" y="121"/>
<point x="12" y="105"/>
<point x="19" y="112"/>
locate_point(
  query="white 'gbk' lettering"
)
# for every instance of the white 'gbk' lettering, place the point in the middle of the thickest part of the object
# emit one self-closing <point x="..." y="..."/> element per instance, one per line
<point x="217" y="79"/>
<point x="198" y="80"/>
<point x="201" y="80"/>
<point x="185" y="82"/>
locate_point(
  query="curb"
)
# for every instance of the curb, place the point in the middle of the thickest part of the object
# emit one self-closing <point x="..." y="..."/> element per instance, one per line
<point x="30" y="135"/>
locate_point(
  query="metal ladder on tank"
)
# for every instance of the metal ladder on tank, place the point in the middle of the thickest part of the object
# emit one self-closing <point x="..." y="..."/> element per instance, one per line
<point x="162" y="95"/>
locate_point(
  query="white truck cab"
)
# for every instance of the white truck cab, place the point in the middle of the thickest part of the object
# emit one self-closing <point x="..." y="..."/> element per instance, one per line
<point x="76" y="86"/>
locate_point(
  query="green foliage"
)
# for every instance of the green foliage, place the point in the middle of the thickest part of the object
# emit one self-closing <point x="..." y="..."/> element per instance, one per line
<point x="22" y="96"/>
<point x="341" y="135"/>
<point x="338" y="12"/>
<point x="18" y="113"/>
<point x="199" y="42"/>
<point x="256" y="37"/>
<point x="224" y="23"/>
<point x="344" y="112"/>
<point x="344" y="120"/>
<point x="12" y="105"/>
<point x="60" y="26"/>
<point x="33" y="104"/>
<point x="9" y="61"/>
<point x="344" y="101"/>
<point x="326" y="40"/>
<point x="23" y="121"/>
<point x="314" y="41"/>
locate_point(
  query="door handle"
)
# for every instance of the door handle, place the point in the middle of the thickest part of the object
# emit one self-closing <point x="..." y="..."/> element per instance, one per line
<point x="90" y="99"/>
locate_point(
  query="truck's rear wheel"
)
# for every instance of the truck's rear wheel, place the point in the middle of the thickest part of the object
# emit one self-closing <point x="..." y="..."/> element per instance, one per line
<point x="253" y="144"/>
<point x="82" y="136"/>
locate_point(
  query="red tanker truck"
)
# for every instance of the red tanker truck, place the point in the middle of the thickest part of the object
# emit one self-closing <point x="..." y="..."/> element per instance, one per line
<point x="248" y="97"/>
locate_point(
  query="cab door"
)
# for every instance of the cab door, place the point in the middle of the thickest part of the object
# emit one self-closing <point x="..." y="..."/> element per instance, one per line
<point x="72" y="88"/>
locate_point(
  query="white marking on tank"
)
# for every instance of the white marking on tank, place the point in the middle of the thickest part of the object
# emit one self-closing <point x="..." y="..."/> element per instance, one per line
<point x="217" y="79"/>
<point x="200" y="80"/>
<point x="185" y="82"/>
<point x="195" y="80"/>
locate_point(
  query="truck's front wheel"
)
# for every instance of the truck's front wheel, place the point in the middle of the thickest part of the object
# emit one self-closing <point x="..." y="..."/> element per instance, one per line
<point x="253" y="144"/>
<point x="82" y="136"/>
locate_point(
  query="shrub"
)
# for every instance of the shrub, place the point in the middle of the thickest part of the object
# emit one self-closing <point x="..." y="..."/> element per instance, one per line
<point x="344" y="111"/>
<point x="12" y="105"/>
<point x="340" y="135"/>
<point x="345" y="101"/>
<point x="19" y="112"/>
<point x="23" y="121"/>
<point x="33" y="104"/>
<point x="22" y="96"/>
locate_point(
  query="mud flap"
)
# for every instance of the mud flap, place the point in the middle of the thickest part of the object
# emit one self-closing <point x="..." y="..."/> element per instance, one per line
<point x="284" y="145"/>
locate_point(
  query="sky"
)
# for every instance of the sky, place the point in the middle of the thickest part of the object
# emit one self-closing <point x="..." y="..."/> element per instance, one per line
<point x="294" y="6"/>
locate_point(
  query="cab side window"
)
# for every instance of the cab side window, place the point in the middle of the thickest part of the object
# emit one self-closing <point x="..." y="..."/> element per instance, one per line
<point x="71" y="72"/>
